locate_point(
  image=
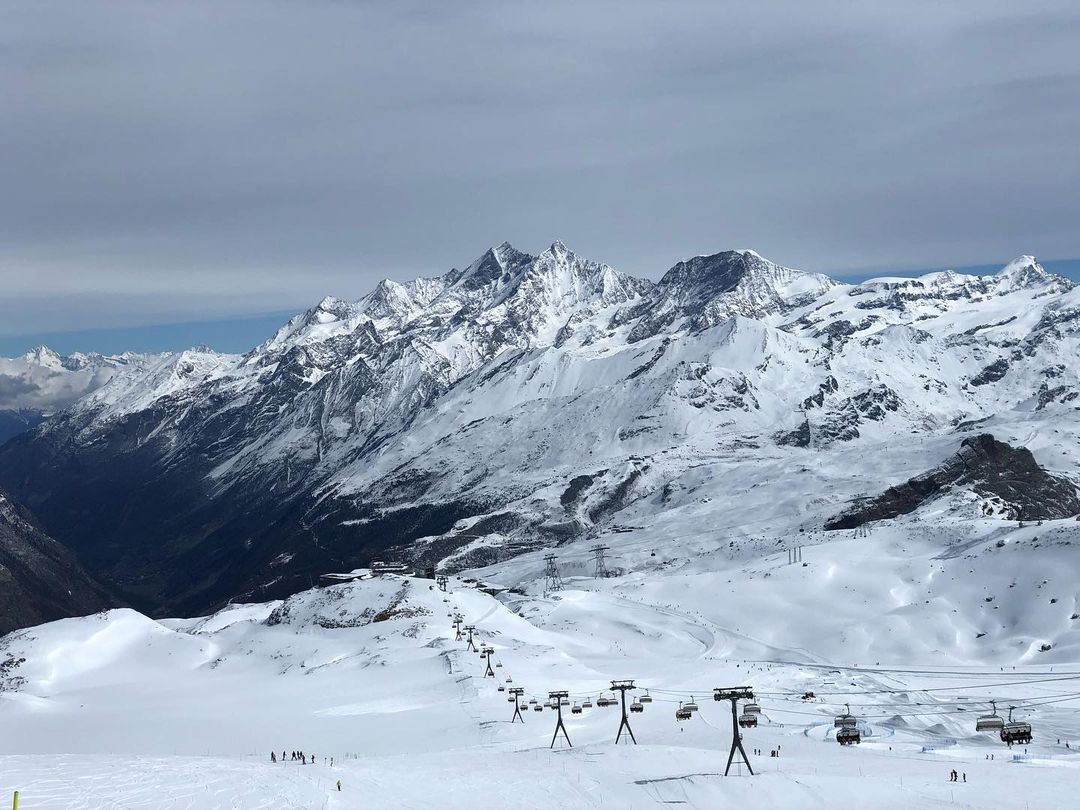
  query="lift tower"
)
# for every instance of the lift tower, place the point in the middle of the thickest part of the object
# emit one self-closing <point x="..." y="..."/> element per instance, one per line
<point x="600" y="567"/>
<point x="458" y="619"/>
<point x="442" y="581"/>
<point x="487" y="652"/>
<point x="735" y="694"/>
<point x="557" y="698"/>
<point x="472" y="645"/>
<point x="552" y="580"/>
<point x="622" y="687"/>
<point x="515" y="695"/>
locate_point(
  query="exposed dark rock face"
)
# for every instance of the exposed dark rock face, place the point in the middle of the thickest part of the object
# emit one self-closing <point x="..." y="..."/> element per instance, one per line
<point x="992" y="373"/>
<point x="40" y="580"/>
<point x="992" y="469"/>
<point x="14" y="422"/>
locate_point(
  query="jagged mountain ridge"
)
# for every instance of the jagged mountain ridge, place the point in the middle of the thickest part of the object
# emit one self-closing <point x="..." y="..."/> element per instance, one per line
<point x="525" y="399"/>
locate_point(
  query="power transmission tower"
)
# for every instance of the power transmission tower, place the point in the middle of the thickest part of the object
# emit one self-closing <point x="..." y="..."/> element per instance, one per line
<point x="487" y="652"/>
<point x="623" y="687"/>
<point x="600" y="570"/>
<point x="735" y="695"/>
<point x="558" y="698"/>
<point x="553" y="582"/>
<point x="516" y="694"/>
<point x="472" y="646"/>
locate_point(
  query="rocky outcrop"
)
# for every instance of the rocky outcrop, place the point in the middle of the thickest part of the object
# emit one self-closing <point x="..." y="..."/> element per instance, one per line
<point x="990" y="468"/>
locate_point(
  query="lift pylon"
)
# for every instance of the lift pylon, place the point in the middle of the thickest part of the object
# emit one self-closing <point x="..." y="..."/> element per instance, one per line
<point x="552" y="579"/>
<point x="735" y="695"/>
<point x="600" y="566"/>
<point x="472" y="645"/>
<point x="623" y="687"/>
<point x="557" y="698"/>
<point x="516" y="693"/>
<point x="487" y="652"/>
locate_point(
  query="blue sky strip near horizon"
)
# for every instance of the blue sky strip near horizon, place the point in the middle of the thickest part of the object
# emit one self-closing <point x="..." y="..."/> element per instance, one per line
<point x="239" y="334"/>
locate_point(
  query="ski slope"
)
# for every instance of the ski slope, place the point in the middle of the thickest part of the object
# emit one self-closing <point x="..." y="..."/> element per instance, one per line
<point x="119" y="710"/>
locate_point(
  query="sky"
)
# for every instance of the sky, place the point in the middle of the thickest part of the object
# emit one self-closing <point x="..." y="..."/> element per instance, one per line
<point x="194" y="171"/>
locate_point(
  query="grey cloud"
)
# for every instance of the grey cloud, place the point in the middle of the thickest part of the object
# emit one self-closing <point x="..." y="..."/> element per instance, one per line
<point x="15" y="391"/>
<point x="196" y="159"/>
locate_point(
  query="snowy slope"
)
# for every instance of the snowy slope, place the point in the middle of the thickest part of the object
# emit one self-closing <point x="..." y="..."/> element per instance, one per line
<point x="370" y="673"/>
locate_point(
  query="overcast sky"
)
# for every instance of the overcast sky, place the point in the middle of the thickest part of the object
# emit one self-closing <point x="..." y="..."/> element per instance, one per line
<point x="191" y="160"/>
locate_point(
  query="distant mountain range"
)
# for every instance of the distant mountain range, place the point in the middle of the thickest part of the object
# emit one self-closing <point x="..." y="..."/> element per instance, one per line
<point x="527" y="400"/>
<point x="41" y="382"/>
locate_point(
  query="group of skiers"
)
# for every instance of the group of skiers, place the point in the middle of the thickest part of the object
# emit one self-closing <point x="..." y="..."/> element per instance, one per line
<point x="295" y="756"/>
<point x="955" y="777"/>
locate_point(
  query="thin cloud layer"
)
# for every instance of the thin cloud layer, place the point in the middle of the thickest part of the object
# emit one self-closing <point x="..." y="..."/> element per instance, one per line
<point x="189" y="160"/>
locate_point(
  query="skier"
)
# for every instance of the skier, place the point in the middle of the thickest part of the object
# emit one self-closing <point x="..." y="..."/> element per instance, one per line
<point x="965" y="776"/>
<point x="339" y="785"/>
<point x="273" y="756"/>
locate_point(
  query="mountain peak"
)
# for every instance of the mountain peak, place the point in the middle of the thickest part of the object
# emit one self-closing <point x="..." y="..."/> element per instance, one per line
<point x="1025" y="271"/>
<point x="44" y="356"/>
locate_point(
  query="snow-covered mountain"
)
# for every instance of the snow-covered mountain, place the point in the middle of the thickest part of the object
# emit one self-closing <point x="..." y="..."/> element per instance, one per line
<point x="530" y="401"/>
<point x="41" y="382"/>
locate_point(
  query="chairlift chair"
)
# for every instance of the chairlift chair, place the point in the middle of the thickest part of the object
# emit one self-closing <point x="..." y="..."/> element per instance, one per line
<point x="538" y="707"/>
<point x="845" y="720"/>
<point x="848" y="735"/>
<point x="498" y="665"/>
<point x="990" y="722"/>
<point x="501" y="688"/>
<point x="747" y="720"/>
<point x="690" y="706"/>
<point x="587" y="704"/>
<point x="575" y="709"/>
<point x="1015" y="732"/>
<point x="645" y="698"/>
<point x="752" y="708"/>
<point x="682" y="713"/>
<point x="532" y="701"/>
<point x="636" y="707"/>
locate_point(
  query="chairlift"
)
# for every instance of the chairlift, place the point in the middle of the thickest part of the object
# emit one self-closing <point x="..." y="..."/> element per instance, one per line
<point x="747" y="720"/>
<point x="587" y="704"/>
<point x="537" y="707"/>
<point x="509" y="679"/>
<point x="532" y="701"/>
<point x="848" y="735"/>
<point x="845" y="720"/>
<point x="565" y="702"/>
<point x="990" y="722"/>
<point x="498" y="665"/>
<point x="501" y="688"/>
<point x="645" y="698"/>
<point x="636" y="707"/>
<point x="1015" y="732"/>
<point x="576" y="709"/>
<point x="752" y="708"/>
<point x="682" y="713"/>
<point x="690" y="706"/>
